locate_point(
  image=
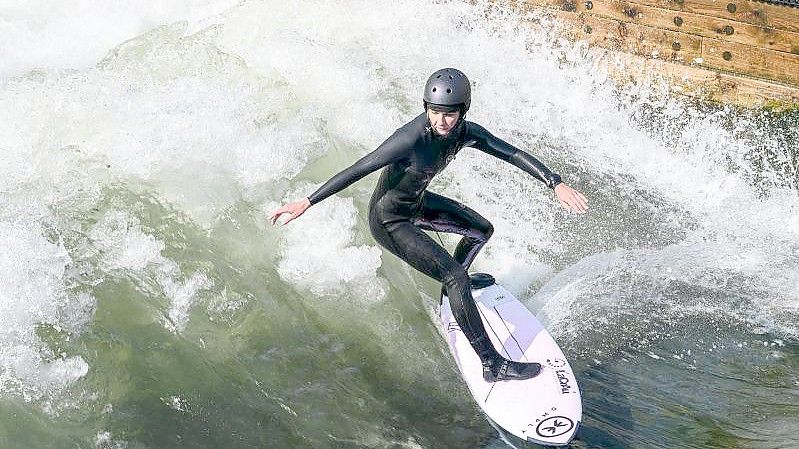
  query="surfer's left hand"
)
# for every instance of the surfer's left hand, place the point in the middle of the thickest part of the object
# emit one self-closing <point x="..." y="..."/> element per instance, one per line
<point x="294" y="209"/>
<point x="571" y="199"/>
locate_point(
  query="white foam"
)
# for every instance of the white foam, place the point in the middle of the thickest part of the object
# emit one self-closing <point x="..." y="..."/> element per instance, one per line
<point x="126" y="250"/>
<point x="33" y="292"/>
<point x="105" y="440"/>
<point x="42" y="34"/>
<point x="176" y="403"/>
<point x="318" y="252"/>
<point x="166" y="109"/>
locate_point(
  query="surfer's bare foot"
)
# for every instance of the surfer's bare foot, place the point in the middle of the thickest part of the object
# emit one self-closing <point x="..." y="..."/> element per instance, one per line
<point x="510" y="370"/>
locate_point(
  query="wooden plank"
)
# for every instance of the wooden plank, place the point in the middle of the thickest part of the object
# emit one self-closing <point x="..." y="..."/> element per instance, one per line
<point x="748" y="60"/>
<point x="676" y="46"/>
<point x="686" y="22"/>
<point x="631" y="37"/>
<point x="691" y="80"/>
<point x="698" y="82"/>
<point x="755" y="13"/>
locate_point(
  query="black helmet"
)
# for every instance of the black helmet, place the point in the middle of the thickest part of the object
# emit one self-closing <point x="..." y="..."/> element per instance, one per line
<point x="448" y="88"/>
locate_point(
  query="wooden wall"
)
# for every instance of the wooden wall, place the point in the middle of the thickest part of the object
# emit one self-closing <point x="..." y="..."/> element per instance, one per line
<point x="737" y="51"/>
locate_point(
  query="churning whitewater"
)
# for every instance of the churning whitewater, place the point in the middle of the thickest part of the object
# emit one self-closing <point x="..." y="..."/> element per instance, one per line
<point x="146" y="302"/>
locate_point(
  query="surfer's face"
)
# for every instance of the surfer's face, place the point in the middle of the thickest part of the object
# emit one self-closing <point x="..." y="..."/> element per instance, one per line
<point x="442" y="122"/>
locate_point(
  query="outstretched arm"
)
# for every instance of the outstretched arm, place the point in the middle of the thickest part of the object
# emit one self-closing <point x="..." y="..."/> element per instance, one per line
<point x="568" y="197"/>
<point x="392" y="150"/>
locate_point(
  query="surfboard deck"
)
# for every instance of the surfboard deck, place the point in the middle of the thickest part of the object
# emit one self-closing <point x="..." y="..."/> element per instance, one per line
<point x="546" y="409"/>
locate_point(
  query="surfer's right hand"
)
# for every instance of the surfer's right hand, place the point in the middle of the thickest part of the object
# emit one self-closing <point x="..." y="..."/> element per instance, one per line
<point x="294" y="209"/>
<point x="571" y="199"/>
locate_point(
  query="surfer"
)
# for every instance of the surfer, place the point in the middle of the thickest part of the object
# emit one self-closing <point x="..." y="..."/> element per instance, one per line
<point x="401" y="207"/>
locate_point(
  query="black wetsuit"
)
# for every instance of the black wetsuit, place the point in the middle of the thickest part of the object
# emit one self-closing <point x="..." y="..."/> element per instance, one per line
<point x="401" y="208"/>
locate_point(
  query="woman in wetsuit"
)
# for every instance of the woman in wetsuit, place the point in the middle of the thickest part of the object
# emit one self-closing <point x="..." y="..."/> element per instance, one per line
<point x="401" y="207"/>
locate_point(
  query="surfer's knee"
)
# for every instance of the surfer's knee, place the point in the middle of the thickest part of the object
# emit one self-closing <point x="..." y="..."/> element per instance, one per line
<point x="488" y="231"/>
<point x="456" y="276"/>
<point x="480" y="233"/>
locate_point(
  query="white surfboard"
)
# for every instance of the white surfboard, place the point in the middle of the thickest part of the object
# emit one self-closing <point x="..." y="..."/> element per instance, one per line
<point x="546" y="409"/>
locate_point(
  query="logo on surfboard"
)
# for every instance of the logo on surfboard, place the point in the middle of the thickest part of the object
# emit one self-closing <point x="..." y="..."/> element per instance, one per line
<point x="556" y="363"/>
<point x="563" y="380"/>
<point x="554" y="426"/>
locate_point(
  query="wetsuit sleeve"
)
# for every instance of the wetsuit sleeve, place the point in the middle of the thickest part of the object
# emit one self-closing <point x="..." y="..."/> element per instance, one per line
<point x="392" y="150"/>
<point x="484" y="141"/>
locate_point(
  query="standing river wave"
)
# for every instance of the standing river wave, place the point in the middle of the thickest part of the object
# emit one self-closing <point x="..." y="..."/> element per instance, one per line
<point x="147" y="303"/>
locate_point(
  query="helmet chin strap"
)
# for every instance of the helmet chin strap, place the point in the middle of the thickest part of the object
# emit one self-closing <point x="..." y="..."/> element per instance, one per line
<point x="458" y="124"/>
